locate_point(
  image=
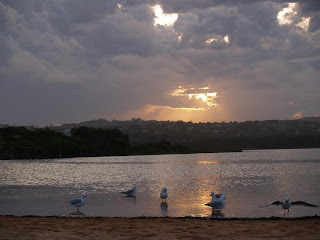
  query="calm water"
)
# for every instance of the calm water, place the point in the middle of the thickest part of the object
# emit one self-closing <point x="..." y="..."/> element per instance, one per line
<point x="249" y="179"/>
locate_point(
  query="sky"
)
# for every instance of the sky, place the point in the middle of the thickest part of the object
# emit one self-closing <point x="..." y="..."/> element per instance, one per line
<point x="67" y="61"/>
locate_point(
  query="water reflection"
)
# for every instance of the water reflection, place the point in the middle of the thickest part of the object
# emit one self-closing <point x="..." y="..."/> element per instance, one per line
<point x="206" y="186"/>
<point x="130" y="199"/>
<point x="247" y="179"/>
<point x="164" y="209"/>
<point x="208" y="162"/>
<point x="216" y="213"/>
<point x="77" y="214"/>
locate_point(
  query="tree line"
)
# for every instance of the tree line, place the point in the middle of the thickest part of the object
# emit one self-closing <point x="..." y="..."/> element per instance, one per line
<point x="44" y="143"/>
<point x="23" y="143"/>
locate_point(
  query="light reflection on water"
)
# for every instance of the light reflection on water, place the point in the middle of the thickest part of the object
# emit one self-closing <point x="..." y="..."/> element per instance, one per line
<point x="249" y="179"/>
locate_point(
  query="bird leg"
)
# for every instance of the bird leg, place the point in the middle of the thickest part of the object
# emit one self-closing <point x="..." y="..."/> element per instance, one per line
<point x="78" y="210"/>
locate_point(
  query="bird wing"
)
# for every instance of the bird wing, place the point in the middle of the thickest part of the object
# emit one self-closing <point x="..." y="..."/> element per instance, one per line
<point x="163" y="194"/>
<point x="74" y="201"/>
<point x="303" y="204"/>
<point x="218" y="204"/>
<point x="131" y="191"/>
<point x="219" y="195"/>
<point x="274" y="203"/>
<point x="215" y="204"/>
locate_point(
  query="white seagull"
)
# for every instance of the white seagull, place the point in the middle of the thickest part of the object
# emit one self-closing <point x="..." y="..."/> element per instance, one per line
<point x="130" y="192"/>
<point x="218" y="201"/>
<point x="164" y="194"/>
<point x="78" y="202"/>
<point x="286" y="204"/>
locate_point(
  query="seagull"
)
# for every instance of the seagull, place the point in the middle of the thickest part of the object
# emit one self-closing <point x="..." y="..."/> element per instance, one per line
<point x="164" y="194"/>
<point x="78" y="202"/>
<point x="286" y="204"/>
<point x="217" y="202"/>
<point x="130" y="192"/>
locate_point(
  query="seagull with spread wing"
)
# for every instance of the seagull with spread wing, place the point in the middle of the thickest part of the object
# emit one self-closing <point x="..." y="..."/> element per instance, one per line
<point x="217" y="201"/>
<point x="286" y="204"/>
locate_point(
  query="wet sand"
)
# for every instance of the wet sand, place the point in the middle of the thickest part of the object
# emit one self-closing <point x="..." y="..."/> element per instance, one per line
<point x="156" y="228"/>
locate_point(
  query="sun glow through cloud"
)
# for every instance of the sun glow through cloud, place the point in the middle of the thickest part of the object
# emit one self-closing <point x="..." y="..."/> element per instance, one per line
<point x="285" y="15"/>
<point x="184" y="109"/>
<point x="288" y="14"/>
<point x="210" y="40"/>
<point x="164" y="113"/>
<point x="152" y="108"/>
<point x="196" y="93"/>
<point x="297" y="115"/>
<point x="162" y="18"/>
<point x="224" y="39"/>
<point x="304" y="24"/>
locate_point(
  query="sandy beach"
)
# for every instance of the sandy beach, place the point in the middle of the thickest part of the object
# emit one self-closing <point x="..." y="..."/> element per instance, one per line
<point x="156" y="228"/>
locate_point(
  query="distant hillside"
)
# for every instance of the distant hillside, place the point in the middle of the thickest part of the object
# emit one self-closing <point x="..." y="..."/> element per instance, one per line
<point x="138" y="136"/>
<point x="312" y="119"/>
<point x="217" y="136"/>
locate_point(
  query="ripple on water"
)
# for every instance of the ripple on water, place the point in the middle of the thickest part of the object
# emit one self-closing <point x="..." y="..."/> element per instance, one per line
<point x="249" y="179"/>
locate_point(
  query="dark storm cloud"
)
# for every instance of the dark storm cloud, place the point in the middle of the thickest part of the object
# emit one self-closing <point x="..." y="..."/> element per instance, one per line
<point x="64" y="61"/>
<point x="189" y="5"/>
<point x="309" y="5"/>
<point x="62" y="14"/>
<point x="130" y="34"/>
<point x="310" y="8"/>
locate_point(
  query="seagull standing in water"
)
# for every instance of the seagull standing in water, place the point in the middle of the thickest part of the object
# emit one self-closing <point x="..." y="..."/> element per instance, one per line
<point x="164" y="194"/>
<point x="217" y="202"/>
<point x="78" y="202"/>
<point x="286" y="204"/>
<point x="130" y="192"/>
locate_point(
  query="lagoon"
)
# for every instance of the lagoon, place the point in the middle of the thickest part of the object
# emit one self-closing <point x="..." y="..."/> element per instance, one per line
<point x="249" y="180"/>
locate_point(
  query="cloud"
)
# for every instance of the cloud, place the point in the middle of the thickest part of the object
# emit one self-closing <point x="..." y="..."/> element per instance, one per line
<point x="9" y="19"/>
<point x="297" y="115"/>
<point x="165" y="113"/>
<point x="64" y="61"/>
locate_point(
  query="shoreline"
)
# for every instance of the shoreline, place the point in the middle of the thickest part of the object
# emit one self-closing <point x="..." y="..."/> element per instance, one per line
<point x="125" y="155"/>
<point x="272" y="218"/>
<point x="159" y="154"/>
<point x="54" y="227"/>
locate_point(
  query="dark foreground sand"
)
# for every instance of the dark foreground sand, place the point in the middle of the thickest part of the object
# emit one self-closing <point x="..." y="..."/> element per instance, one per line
<point x="156" y="228"/>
